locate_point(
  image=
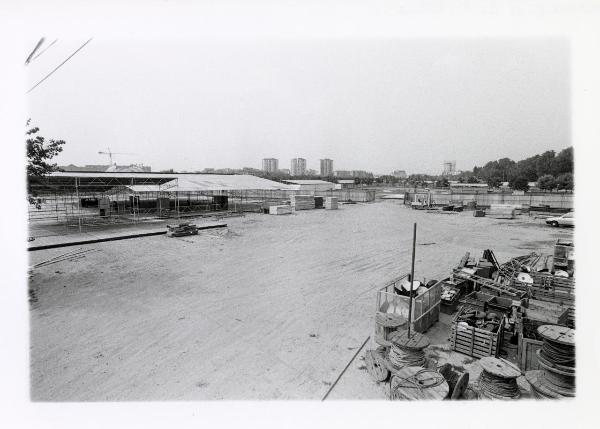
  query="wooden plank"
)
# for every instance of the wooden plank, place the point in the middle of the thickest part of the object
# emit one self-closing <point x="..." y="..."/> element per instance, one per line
<point x="477" y="340"/>
<point x="484" y="347"/>
<point x="474" y="353"/>
<point x="478" y="335"/>
<point x="470" y="351"/>
<point x="528" y="358"/>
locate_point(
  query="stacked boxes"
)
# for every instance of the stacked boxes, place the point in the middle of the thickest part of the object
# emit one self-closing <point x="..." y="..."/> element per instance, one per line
<point x="331" y="203"/>
<point x="280" y="210"/>
<point x="302" y="202"/>
<point x="501" y="211"/>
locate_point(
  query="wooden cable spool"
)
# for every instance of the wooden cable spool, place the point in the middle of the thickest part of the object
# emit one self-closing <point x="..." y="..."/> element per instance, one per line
<point x="558" y="347"/>
<point x="413" y="383"/>
<point x="386" y="325"/>
<point x="457" y="381"/>
<point x="375" y="363"/>
<point x="536" y="380"/>
<point x="556" y="358"/>
<point x="498" y="379"/>
<point x="407" y="351"/>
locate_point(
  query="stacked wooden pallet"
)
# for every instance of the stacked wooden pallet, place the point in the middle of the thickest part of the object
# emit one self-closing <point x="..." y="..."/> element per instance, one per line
<point x="302" y="202"/>
<point x="331" y="203"/>
<point x="280" y="210"/>
<point x="501" y="211"/>
<point x="181" y="230"/>
<point x="476" y="341"/>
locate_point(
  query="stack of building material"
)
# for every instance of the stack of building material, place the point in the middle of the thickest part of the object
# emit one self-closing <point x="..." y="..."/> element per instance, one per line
<point x="331" y="203"/>
<point x="181" y="230"/>
<point x="280" y="210"/>
<point x="479" y="213"/>
<point x="302" y="202"/>
<point x="501" y="211"/>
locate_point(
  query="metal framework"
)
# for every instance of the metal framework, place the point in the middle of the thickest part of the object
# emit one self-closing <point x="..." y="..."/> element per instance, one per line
<point x="66" y="204"/>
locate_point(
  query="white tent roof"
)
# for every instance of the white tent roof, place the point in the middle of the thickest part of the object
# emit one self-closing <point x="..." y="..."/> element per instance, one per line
<point x="186" y="182"/>
<point x="222" y="183"/>
<point x="309" y="182"/>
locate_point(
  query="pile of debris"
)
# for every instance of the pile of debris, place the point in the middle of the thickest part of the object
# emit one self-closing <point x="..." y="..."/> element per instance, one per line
<point x="181" y="230"/>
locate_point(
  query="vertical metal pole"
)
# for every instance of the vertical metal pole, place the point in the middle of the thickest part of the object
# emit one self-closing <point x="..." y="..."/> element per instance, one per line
<point x="412" y="279"/>
<point x="78" y="203"/>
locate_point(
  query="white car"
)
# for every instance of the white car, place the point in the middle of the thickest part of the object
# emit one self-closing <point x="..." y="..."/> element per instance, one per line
<point x="565" y="220"/>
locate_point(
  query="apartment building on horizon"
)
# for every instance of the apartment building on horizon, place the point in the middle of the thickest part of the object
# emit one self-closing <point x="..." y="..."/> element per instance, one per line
<point x="326" y="167"/>
<point x="298" y="167"/>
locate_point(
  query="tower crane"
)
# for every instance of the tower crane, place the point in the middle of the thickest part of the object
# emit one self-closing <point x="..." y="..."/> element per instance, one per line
<point x="110" y="154"/>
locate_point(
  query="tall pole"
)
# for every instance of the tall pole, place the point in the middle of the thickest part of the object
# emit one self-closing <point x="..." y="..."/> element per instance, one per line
<point x="412" y="279"/>
<point x="78" y="203"/>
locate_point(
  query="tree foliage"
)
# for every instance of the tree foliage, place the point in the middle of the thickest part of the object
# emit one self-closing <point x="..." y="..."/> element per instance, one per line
<point x="494" y="182"/>
<point x="565" y="181"/>
<point x="519" y="183"/>
<point x="532" y="169"/>
<point x="547" y="182"/>
<point x="40" y="152"/>
<point x="442" y="183"/>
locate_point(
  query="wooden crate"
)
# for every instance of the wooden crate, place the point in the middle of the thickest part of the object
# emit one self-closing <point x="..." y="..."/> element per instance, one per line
<point x="548" y="287"/>
<point x="500" y="304"/>
<point x="476" y="300"/>
<point x="474" y="341"/>
<point x="449" y="306"/>
<point x="548" y="313"/>
<point x="568" y="318"/>
<point x="425" y="310"/>
<point x="527" y="357"/>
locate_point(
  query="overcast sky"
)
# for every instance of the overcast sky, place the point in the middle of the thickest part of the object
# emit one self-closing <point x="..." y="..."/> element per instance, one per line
<point x="370" y="104"/>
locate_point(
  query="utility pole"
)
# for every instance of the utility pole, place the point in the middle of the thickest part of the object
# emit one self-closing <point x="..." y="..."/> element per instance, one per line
<point x="412" y="279"/>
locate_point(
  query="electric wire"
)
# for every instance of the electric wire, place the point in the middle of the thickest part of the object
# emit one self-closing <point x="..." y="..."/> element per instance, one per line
<point x="59" y="66"/>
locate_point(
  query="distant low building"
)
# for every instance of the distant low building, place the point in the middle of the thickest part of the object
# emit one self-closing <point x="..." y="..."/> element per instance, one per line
<point x="361" y="174"/>
<point x="310" y="185"/>
<point x="87" y="167"/>
<point x="343" y="173"/>
<point x="400" y="174"/>
<point x="346" y="183"/>
<point x="468" y="185"/>
<point x="284" y="170"/>
<point x="110" y="168"/>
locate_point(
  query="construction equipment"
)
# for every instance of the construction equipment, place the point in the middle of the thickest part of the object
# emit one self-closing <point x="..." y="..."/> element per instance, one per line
<point x="110" y="154"/>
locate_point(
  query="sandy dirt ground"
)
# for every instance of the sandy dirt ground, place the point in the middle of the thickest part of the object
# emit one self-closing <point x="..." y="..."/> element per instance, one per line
<point x="273" y="307"/>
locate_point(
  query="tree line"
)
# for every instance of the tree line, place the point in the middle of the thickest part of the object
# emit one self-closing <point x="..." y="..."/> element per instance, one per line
<point x="549" y="169"/>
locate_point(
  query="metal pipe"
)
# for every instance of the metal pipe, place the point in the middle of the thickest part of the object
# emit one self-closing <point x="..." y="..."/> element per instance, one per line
<point x="412" y="277"/>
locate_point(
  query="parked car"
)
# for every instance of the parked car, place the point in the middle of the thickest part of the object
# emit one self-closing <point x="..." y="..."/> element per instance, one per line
<point x="565" y="220"/>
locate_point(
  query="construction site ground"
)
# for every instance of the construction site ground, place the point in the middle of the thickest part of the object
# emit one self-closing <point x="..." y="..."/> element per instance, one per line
<point x="271" y="307"/>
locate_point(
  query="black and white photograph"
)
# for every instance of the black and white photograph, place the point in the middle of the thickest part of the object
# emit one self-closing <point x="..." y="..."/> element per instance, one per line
<point x="271" y="203"/>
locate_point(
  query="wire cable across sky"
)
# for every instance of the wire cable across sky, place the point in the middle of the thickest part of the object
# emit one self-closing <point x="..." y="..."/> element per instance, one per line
<point x="59" y="66"/>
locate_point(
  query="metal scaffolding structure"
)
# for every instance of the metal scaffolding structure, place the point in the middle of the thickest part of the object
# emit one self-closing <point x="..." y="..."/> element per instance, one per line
<point x="73" y="202"/>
